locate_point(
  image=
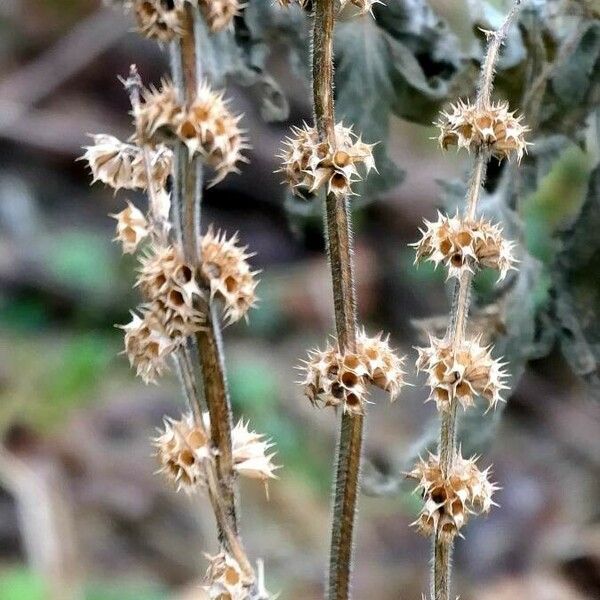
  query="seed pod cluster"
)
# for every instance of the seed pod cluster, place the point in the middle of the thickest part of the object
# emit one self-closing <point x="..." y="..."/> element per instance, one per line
<point x="225" y="580"/>
<point x="461" y="244"/>
<point x="332" y="378"/>
<point x="310" y="164"/>
<point x="207" y="127"/>
<point x="448" y="501"/>
<point x="121" y="165"/>
<point x="474" y="127"/>
<point x="461" y="375"/>
<point x="184" y="447"/>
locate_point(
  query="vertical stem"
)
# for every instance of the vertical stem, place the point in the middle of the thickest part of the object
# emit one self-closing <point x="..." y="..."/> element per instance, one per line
<point x="322" y="65"/>
<point x="443" y="545"/>
<point x="339" y="246"/>
<point x="188" y="189"/>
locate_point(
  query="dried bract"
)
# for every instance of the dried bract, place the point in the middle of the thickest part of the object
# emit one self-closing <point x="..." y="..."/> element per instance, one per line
<point x="251" y="456"/>
<point x="121" y="165"/>
<point x="225" y="580"/>
<point x="225" y="267"/>
<point x="147" y="345"/>
<point x="462" y="244"/>
<point x="309" y="165"/>
<point x="182" y="450"/>
<point x="171" y="287"/>
<point x="132" y="228"/>
<point x="463" y="375"/>
<point x="219" y="14"/>
<point x="494" y="127"/>
<point x="159" y="20"/>
<point x="450" y="500"/>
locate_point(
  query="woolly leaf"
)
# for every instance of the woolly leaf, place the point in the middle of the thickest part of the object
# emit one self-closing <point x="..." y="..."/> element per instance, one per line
<point x="576" y="278"/>
<point x="398" y="64"/>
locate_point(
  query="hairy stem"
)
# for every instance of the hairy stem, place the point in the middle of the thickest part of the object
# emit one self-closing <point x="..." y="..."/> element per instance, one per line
<point x="339" y="246"/>
<point x="443" y="545"/>
<point x="188" y="190"/>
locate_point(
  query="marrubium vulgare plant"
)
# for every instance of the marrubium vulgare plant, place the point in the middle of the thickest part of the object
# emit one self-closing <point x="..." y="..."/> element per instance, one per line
<point x="190" y="278"/>
<point x="327" y="158"/>
<point x="459" y="368"/>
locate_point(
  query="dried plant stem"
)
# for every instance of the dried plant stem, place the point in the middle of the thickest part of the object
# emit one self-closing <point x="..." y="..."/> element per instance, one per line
<point x="442" y="545"/>
<point x="339" y="245"/>
<point x="187" y="192"/>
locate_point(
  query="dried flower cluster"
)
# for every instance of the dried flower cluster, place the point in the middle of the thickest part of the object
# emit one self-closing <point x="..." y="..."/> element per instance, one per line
<point x="462" y="375"/>
<point x="473" y="127"/>
<point x="207" y="127"/>
<point x="460" y="244"/>
<point x="225" y="579"/>
<point x="310" y="164"/>
<point x="159" y="20"/>
<point x="230" y="278"/>
<point x="449" y="500"/>
<point x="332" y="378"/>
<point x="121" y="165"/>
<point x="164" y="20"/>
<point x="181" y="273"/>
<point x="184" y="448"/>
<point x="132" y="228"/>
<point x="219" y="14"/>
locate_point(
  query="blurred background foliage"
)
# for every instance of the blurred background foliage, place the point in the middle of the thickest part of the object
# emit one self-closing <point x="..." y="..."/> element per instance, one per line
<point x="82" y="516"/>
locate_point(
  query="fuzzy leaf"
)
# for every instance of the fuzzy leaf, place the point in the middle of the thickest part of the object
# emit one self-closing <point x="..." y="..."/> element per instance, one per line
<point x="576" y="279"/>
<point x="398" y="64"/>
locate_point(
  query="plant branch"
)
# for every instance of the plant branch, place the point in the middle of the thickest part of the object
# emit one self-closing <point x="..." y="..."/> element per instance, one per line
<point x="339" y="246"/>
<point x="189" y="189"/>
<point x="442" y="545"/>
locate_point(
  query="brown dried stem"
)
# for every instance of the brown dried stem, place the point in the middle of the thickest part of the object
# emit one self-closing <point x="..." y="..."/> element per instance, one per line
<point x="442" y="545"/>
<point x="339" y="245"/>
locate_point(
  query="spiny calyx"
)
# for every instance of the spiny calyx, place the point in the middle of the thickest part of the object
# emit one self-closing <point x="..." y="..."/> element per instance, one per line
<point x="476" y="127"/>
<point x="310" y="164"/>
<point x="461" y="243"/>
<point x="450" y="499"/>
<point x="206" y="126"/>
<point x="462" y="373"/>
<point x="333" y="378"/>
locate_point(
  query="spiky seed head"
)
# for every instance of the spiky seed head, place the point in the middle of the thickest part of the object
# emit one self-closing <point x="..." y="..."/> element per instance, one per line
<point x="494" y="127"/>
<point x="225" y="268"/>
<point x="160" y="20"/>
<point x="251" y="456"/>
<point x="207" y="127"/>
<point x="459" y="243"/>
<point x="159" y="113"/>
<point x="450" y="500"/>
<point x="121" y="165"/>
<point x="147" y="344"/>
<point x="309" y="165"/>
<point x="462" y="375"/>
<point x="225" y="579"/>
<point x="332" y="378"/>
<point x="212" y="130"/>
<point x="219" y="14"/>
<point x="132" y="228"/>
<point x="182" y="449"/>
<point x="171" y="286"/>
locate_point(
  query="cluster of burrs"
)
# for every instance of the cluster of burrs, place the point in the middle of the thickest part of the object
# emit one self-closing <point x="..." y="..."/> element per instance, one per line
<point x="450" y="499"/>
<point x="492" y="126"/>
<point x="184" y="449"/>
<point x="310" y="164"/>
<point x="342" y="379"/>
<point x="165" y="20"/>
<point x="460" y="244"/>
